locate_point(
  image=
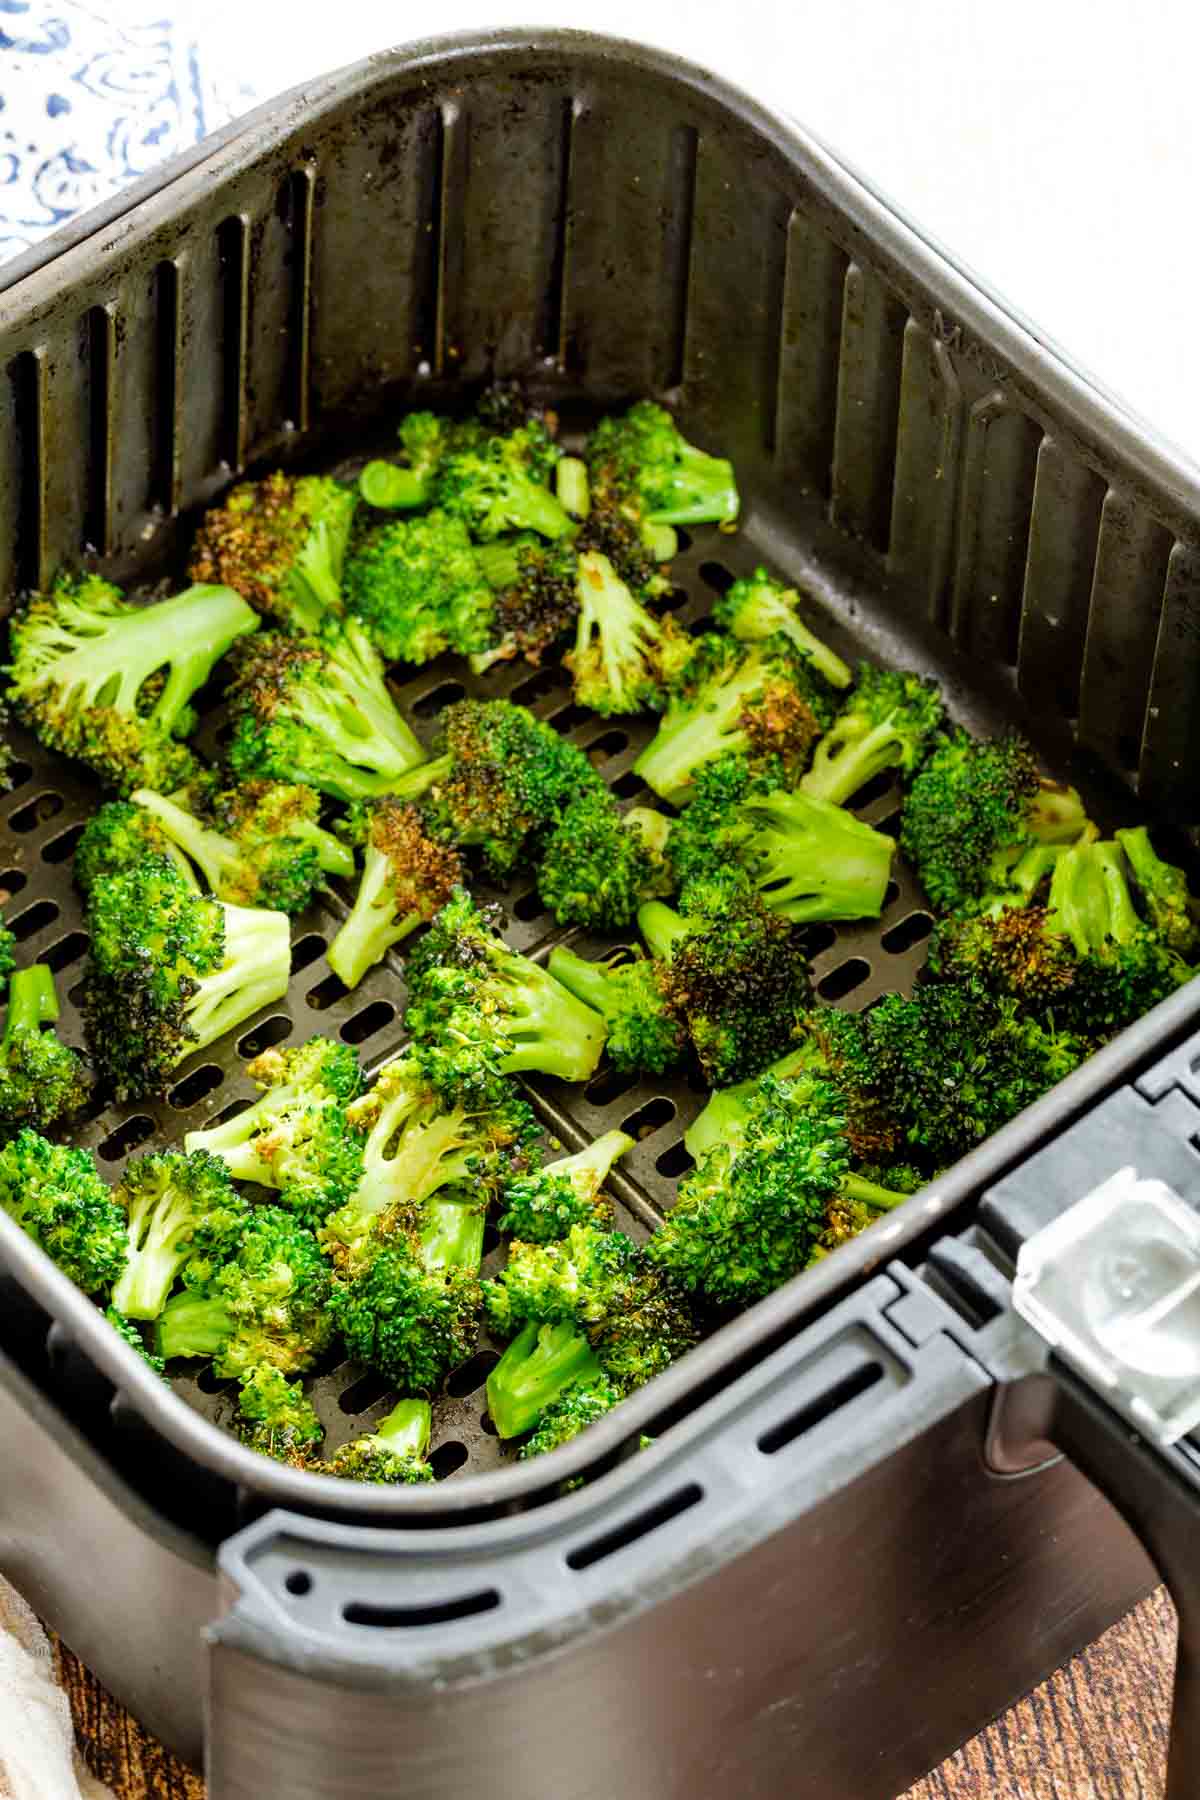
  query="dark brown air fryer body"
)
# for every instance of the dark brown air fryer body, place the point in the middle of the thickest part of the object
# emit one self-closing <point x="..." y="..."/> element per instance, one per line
<point x="812" y="1583"/>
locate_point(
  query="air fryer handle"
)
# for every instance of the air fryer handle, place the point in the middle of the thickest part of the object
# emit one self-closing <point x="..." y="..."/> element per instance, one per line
<point x="1157" y="1494"/>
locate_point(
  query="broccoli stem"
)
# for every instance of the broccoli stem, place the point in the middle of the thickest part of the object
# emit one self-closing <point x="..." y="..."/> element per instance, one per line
<point x="333" y="857"/>
<point x="392" y="489"/>
<point x="373" y="925"/>
<point x="233" y="1140"/>
<point x="406" y="1429"/>
<point x="418" y="781"/>
<point x="534" y="1370"/>
<point x="1090" y="901"/>
<point x="662" y="541"/>
<point x="548" y="1026"/>
<point x="394" y="748"/>
<point x="704" y="487"/>
<point x="212" y="852"/>
<point x="1056" y="814"/>
<point x="192" y="1325"/>
<point x="662" y="927"/>
<point x="32" y="1000"/>
<point x="258" y="958"/>
<point x="500" y="561"/>
<point x="537" y="508"/>
<point x="571" y="486"/>
<point x="1016" y="883"/>
<point x="589" y="1169"/>
<point x="881" y="1199"/>
<point x="844" y="761"/>
<point x="812" y="860"/>
<point x="695" y="733"/>
<point x="588" y="981"/>
<point x="452" y="1236"/>
<point x="725" y="1114"/>
<point x="159" y="1242"/>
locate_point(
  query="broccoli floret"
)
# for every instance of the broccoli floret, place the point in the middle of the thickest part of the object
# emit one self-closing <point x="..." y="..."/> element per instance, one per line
<point x="1124" y="967"/>
<point x="42" y="1080"/>
<point x="419" y="590"/>
<point x="888" y="722"/>
<point x="499" y="781"/>
<point x="540" y="1364"/>
<point x="436" y="1129"/>
<point x="120" y="836"/>
<point x="130" y="1331"/>
<point x="498" y="484"/>
<point x="580" y="1278"/>
<point x="8" y="955"/>
<point x="733" y="970"/>
<point x="644" y="455"/>
<point x="748" y="1215"/>
<point x="181" y="1210"/>
<point x="861" y="1203"/>
<point x="536" y="598"/>
<point x="624" y="659"/>
<point x="267" y="1307"/>
<point x="1163" y="890"/>
<point x="298" y="1138"/>
<point x="280" y="543"/>
<point x="277" y="1419"/>
<point x="619" y="530"/>
<point x="393" y="1453"/>
<point x="545" y="1204"/>
<point x="463" y="979"/>
<point x="649" y="1327"/>
<point x="319" y="712"/>
<point x="55" y="1194"/>
<point x="760" y="699"/>
<point x="263" y="848"/>
<point x="808" y="859"/>
<point x="111" y="683"/>
<point x="171" y="971"/>
<point x="759" y="606"/>
<point x="1009" y="951"/>
<point x="407" y="877"/>
<point x="411" y="1323"/>
<point x="597" y="868"/>
<point x="974" y="808"/>
<point x="645" y="1034"/>
<point x="577" y="1407"/>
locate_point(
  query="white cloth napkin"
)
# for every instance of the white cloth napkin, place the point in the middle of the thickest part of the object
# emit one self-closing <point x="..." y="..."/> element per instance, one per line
<point x="38" y="1758"/>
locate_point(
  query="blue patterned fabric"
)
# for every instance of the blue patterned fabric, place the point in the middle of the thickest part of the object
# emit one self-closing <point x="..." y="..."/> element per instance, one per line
<point x="88" y="102"/>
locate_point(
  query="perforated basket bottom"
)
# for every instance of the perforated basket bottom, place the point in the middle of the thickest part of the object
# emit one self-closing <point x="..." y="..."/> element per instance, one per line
<point x="852" y="964"/>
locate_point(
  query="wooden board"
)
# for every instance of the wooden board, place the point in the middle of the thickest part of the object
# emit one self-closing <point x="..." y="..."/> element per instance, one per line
<point x="1097" y="1730"/>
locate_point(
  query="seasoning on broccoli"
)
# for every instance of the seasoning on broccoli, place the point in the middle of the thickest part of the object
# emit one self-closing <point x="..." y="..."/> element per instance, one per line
<point x="544" y="1204"/>
<point x="597" y="867"/>
<point x="111" y="684"/>
<point x="56" y="1195"/>
<point x="758" y="606"/>
<point x="42" y="1080"/>
<point x="535" y="597"/>
<point x="888" y="722"/>
<point x="407" y="877"/>
<point x="119" y="836"/>
<point x="276" y="1418"/>
<point x="577" y="1407"/>
<point x="280" y="543"/>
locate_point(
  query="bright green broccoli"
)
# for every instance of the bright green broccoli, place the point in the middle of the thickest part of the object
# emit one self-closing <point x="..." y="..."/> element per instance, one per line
<point x="56" y="1195"/>
<point x="277" y="1419"/>
<point x="759" y="606"/>
<point x="280" y="543"/>
<point x="111" y="683"/>
<point x="8" y="955"/>
<point x="298" y="1137"/>
<point x="262" y="845"/>
<point x="537" y="1368"/>
<point x="171" y="971"/>
<point x="181" y="1211"/>
<point x="131" y="1332"/>
<point x="576" y="1407"/>
<point x="888" y="722"/>
<point x="579" y="1277"/>
<point x="464" y="982"/>
<point x="419" y="590"/>
<point x="645" y="1034"/>
<point x="974" y="808"/>
<point x="545" y="1203"/>
<point x="42" y="1080"/>
<point x="624" y="659"/>
<point x="643" y="457"/>
<point x="597" y="867"/>
<point x="761" y="699"/>
<point x="393" y="1453"/>
<point x="412" y="1323"/>
<point x="1124" y="966"/>
<point x="319" y="711"/>
<point x="120" y="835"/>
<point x="266" y="1307"/>
<point x="407" y="877"/>
<point x="499" y="484"/>
<point x="1163" y="890"/>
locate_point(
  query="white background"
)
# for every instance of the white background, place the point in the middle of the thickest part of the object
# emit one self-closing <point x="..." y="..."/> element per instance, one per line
<point x="1054" y="145"/>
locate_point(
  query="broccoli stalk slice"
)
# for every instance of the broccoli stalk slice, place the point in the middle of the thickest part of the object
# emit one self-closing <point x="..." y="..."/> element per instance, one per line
<point x="32" y="1001"/>
<point x="452" y="1235"/>
<point x="500" y="561"/>
<point x="255" y="971"/>
<point x="395" y="747"/>
<point x="590" y="982"/>
<point x="392" y="489"/>
<point x="1090" y="901"/>
<point x="571" y="486"/>
<point x="548" y="1027"/>
<point x="428" y="1158"/>
<point x="373" y="925"/>
<point x="698" y="490"/>
<point x="1016" y="882"/>
<point x="538" y="1365"/>
<point x="724" y="1117"/>
<point x="812" y="860"/>
<point x="236" y="1140"/>
<point x="616" y="662"/>
<point x="406" y="1429"/>
<point x="193" y="1324"/>
<point x="759" y="607"/>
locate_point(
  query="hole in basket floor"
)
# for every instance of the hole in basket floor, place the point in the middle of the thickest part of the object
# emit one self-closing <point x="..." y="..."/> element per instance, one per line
<point x="127" y="1137"/>
<point x="910" y="931"/>
<point x="470" y="1376"/>
<point x="447" y="1459"/>
<point x="196" y="1086"/>
<point x="649" y="1118"/>
<point x="844" y="979"/>
<point x="368" y="1021"/>
<point x="265" y="1036"/>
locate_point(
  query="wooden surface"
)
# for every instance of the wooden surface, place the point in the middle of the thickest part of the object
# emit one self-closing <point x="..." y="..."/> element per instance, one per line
<point x="1097" y="1730"/>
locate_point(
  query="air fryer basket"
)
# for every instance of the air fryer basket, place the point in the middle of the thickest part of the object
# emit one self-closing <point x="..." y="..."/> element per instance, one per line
<point x="604" y="222"/>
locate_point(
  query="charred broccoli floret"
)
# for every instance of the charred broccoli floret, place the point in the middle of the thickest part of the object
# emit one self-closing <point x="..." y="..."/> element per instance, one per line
<point x="419" y="590"/>
<point x="1124" y="966"/>
<point x="393" y="1453"/>
<point x="974" y="808"/>
<point x="760" y="699"/>
<point x="298" y="1137"/>
<point x="807" y="858"/>
<point x="318" y="711"/>
<point x="277" y="1419"/>
<point x="42" y="1080"/>
<point x="597" y="867"/>
<point x="759" y="606"/>
<point x="266" y="1307"/>
<point x="56" y="1195"/>
<point x="111" y="683"/>
<point x="734" y="971"/>
<point x="1163" y="891"/>
<point x="262" y="847"/>
<point x="465" y="982"/>
<point x="280" y="543"/>
<point x="646" y="1036"/>
<point x="180" y="1210"/>
<point x="624" y="658"/>
<point x="643" y="456"/>
<point x="171" y="971"/>
<point x="407" y="877"/>
<point x="535" y="597"/>
<point x="544" y="1204"/>
<point x="119" y="836"/>
<point x="888" y="722"/>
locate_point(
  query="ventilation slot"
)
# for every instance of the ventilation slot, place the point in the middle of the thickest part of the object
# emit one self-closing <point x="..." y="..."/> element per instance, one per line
<point x="432" y="703"/>
<point x="195" y="1087"/>
<point x="24" y="376"/>
<point x="649" y="1118"/>
<point x="839" y="1395"/>
<point x="300" y="218"/>
<point x="401" y="1618"/>
<point x="164" y="491"/>
<point x="265" y="1036"/>
<point x="35" y="812"/>
<point x="844" y="979"/>
<point x="448" y="1459"/>
<point x="97" y="523"/>
<point x="908" y="933"/>
<point x="470" y="1377"/>
<point x="366" y="1392"/>
<point x="68" y="950"/>
<point x="677" y="245"/>
<point x="35" y="918"/>
<point x="366" y="1023"/>
<point x="675" y="1162"/>
<point x="235" y="271"/>
<point x="306" y="951"/>
<point x="639" y="1526"/>
<point x="62" y="846"/>
<point x="127" y="1137"/>
<point x="550" y="325"/>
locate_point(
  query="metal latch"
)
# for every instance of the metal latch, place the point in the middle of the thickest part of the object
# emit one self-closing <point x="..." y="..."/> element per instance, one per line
<point x="1113" y="1284"/>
